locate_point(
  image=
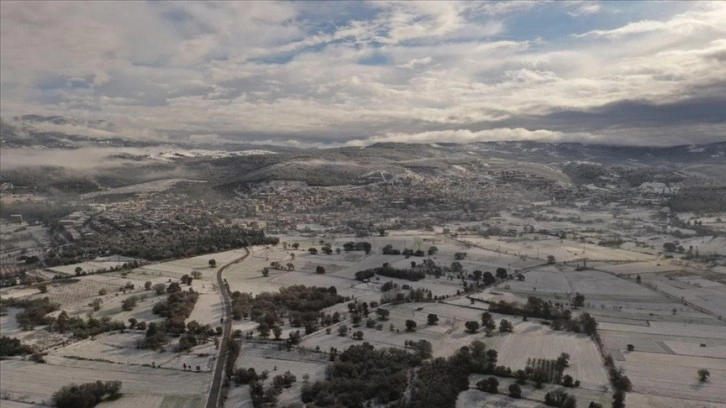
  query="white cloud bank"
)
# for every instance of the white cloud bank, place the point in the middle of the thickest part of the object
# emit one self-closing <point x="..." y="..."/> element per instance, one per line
<point x="396" y="71"/>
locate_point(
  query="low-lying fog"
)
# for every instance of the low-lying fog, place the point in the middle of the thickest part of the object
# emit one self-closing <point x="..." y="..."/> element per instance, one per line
<point x="103" y="157"/>
<point x="82" y="158"/>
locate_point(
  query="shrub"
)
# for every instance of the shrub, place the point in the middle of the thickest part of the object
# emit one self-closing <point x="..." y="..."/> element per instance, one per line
<point x="129" y="303"/>
<point x="410" y="325"/>
<point x="472" y="326"/>
<point x="10" y="346"/>
<point x="567" y="381"/>
<point x="86" y="395"/>
<point x="505" y="326"/>
<point x="159" y="288"/>
<point x="515" y="391"/>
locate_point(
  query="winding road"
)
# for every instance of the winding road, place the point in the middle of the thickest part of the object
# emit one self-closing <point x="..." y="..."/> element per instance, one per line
<point x="213" y="399"/>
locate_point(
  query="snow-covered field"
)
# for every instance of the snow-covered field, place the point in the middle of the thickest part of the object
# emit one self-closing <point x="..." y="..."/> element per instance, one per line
<point x="592" y="284"/>
<point x="475" y="398"/>
<point x="89" y="266"/>
<point x="668" y="347"/>
<point x="263" y="357"/>
<point x="531" y="396"/>
<point x="637" y="268"/>
<point x="704" y="293"/>
<point x="675" y="376"/>
<point x="114" y="356"/>
<point x="636" y="399"/>
<point x="22" y="378"/>
<point x="532" y="340"/>
<point x="121" y="348"/>
<point x="562" y="250"/>
<point x="714" y="331"/>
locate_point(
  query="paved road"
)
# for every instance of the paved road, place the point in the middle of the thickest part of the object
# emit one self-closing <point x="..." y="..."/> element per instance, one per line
<point x="213" y="399"/>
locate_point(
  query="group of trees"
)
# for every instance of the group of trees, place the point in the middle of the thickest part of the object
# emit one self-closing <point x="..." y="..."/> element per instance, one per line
<point x="489" y="385"/>
<point x="34" y="313"/>
<point x="559" y="398"/>
<point x="300" y="304"/>
<point x="177" y="307"/>
<point x="10" y="346"/>
<point x="86" y="395"/>
<point x="362" y="373"/>
<point x="129" y="303"/>
<point x="438" y="382"/>
<point x="422" y="348"/>
<point x="84" y="328"/>
<point x="357" y="246"/>
<point x="561" y="317"/>
<point x="489" y="325"/>
<point x="387" y="270"/>
<point x="620" y="381"/>
<point x="699" y="198"/>
<point x="172" y="241"/>
<point x="262" y="397"/>
<point x="391" y="293"/>
<point x="390" y="250"/>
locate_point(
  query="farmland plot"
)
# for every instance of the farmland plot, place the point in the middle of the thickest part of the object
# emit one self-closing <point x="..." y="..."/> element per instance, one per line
<point x="264" y="357"/>
<point x="549" y="280"/>
<point x="676" y="376"/>
<point x="121" y="348"/>
<point x="529" y="392"/>
<point x="616" y="342"/>
<point x="639" y="400"/>
<point x="17" y="292"/>
<point x="475" y="398"/>
<point x="600" y="284"/>
<point x="20" y="378"/>
<point x="654" y="309"/>
<point x="695" y="349"/>
<point x="112" y="308"/>
<point x="671" y="329"/>
<point x="637" y="268"/>
<point x="700" y="292"/>
<point x="88" y="266"/>
<point x="531" y="340"/>
<point x="68" y="294"/>
<point x="562" y="250"/>
<point x="133" y="401"/>
<point x="18" y="404"/>
<point x="451" y="320"/>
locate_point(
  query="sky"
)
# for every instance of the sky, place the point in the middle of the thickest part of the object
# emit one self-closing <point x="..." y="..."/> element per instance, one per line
<point x="354" y="73"/>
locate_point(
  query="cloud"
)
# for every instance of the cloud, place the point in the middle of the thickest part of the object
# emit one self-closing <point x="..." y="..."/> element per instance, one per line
<point x="585" y="9"/>
<point x="707" y="16"/>
<point x="283" y="72"/>
<point x="462" y="136"/>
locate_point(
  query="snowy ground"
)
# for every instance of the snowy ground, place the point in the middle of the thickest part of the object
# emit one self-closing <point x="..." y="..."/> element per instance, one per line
<point x="20" y="379"/>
